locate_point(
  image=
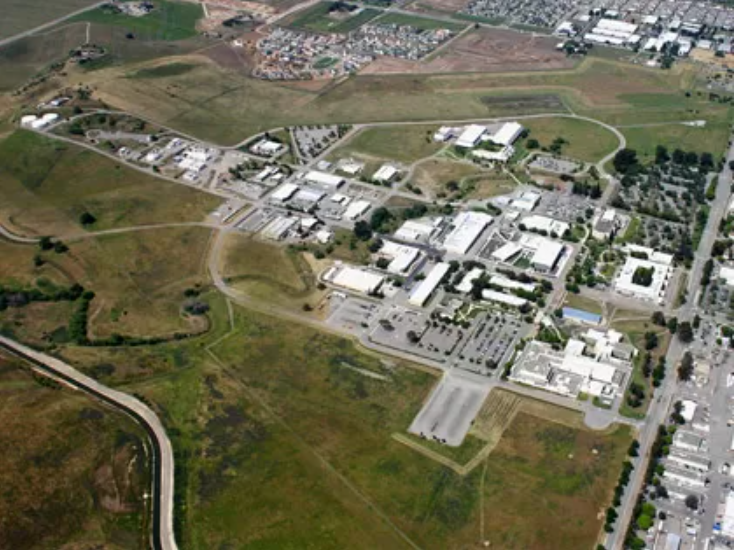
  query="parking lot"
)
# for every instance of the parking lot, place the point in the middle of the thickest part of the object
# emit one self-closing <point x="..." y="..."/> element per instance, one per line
<point x="415" y="333"/>
<point x="349" y="314"/>
<point x="449" y="412"/>
<point x="491" y="344"/>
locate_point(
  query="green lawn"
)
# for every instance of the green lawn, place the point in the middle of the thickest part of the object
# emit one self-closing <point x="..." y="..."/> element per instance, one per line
<point x="587" y="141"/>
<point x="581" y="302"/>
<point x="712" y="138"/>
<point x="318" y="19"/>
<point x="169" y="21"/>
<point x="399" y="143"/>
<point x="418" y="22"/>
<point x="635" y="331"/>
<point x="46" y="185"/>
<point x="162" y="71"/>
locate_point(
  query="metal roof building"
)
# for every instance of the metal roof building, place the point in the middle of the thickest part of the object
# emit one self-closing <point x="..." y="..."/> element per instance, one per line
<point x="358" y="280"/>
<point x="546" y="256"/>
<point x="284" y="192"/>
<point x="322" y="178"/>
<point x="427" y="286"/>
<point x="467" y="228"/>
<point x="471" y="136"/>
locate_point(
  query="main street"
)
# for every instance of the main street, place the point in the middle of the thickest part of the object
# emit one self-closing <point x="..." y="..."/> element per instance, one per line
<point x="660" y="406"/>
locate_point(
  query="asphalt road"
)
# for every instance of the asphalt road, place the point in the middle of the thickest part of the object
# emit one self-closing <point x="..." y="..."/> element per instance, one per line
<point x="661" y="404"/>
<point x="162" y="456"/>
<point x="48" y="25"/>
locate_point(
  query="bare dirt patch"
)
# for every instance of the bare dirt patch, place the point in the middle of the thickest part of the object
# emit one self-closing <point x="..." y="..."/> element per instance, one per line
<point x="485" y="50"/>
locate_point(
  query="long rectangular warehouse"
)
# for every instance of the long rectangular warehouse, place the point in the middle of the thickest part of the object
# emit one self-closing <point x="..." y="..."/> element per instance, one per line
<point x="427" y="286"/>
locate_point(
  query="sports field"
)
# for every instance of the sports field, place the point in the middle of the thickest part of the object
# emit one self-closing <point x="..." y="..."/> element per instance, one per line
<point x="46" y="185"/>
<point x="73" y="472"/>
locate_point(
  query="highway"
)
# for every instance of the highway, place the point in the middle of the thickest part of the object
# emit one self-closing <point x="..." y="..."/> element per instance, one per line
<point x="162" y="451"/>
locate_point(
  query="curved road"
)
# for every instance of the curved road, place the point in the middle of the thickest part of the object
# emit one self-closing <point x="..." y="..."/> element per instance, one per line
<point x="163" y="535"/>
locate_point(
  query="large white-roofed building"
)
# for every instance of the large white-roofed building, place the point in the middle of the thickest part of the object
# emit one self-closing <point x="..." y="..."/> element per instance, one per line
<point x="284" y="192"/>
<point x="385" y="174"/>
<point x="612" y="32"/>
<point x="419" y="231"/>
<point x="402" y="257"/>
<point x="467" y="283"/>
<point x="630" y="280"/>
<point x="279" y="227"/>
<point x="506" y="252"/>
<point x="574" y="370"/>
<point x="507" y="134"/>
<point x="527" y="200"/>
<point x="467" y="227"/>
<point x="471" y="136"/>
<point x="502" y="298"/>
<point x="357" y="209"/>
<point x="546" y="224"/>
<point x="322" y="178"/>
<point x="358" y="280"/>
<point x="425" y="289"/>
<point x="545" y="258"/>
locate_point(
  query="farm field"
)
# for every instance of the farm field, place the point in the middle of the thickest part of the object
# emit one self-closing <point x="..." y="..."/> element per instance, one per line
<point x="399" y="143"/>
<point x="234" y="106"/>
<point x="73" y="472"/>
<point x="587" y="141"/>
<point x="319" y="18"/>
<point x="23" y="15"/>
<point x="483" y="50"/>
<point x="48" y="184"/>
<point x="169" y="21"/>
<point x="418" y="22"/>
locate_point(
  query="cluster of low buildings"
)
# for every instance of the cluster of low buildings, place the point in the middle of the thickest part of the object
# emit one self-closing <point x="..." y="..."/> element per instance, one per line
<point x="640" y="258"/>
<point x="597" y="364"/>
<point x="490" y="144"/>
<point x="287" y="54"/>
<point x="674" y="28"/>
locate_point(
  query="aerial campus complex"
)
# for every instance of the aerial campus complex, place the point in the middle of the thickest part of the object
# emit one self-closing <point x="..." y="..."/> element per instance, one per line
<point x="431" y="274"/>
